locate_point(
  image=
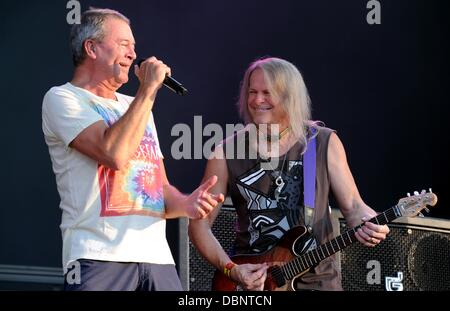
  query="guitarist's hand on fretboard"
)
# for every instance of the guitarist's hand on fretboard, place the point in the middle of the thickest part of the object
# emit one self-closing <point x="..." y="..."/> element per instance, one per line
<point x="371" y="234"/>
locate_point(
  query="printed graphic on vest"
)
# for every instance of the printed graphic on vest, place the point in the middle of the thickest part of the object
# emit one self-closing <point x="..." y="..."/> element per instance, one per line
<point x="271" y="216"/>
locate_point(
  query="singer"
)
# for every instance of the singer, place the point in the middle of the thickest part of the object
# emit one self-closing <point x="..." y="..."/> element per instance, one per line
<point x="114" y="200"/>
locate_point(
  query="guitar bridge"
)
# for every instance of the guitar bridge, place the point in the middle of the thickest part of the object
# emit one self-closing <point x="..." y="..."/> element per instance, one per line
<point x="277" y="276"/>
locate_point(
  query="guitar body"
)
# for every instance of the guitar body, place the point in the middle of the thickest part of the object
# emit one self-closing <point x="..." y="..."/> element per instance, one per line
<point x="290" y="258"/>
<point x="289" y="246"/>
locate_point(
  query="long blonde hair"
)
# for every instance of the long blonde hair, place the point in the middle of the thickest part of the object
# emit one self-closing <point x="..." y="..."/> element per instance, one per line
<point x="286" y="86"/>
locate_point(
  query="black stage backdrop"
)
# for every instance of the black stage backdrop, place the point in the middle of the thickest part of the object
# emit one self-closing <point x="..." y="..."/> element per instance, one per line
<point x="381" y="86"/>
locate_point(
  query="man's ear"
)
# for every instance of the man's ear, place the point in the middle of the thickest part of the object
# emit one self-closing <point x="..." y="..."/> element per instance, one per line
<point x="89" y="48"/>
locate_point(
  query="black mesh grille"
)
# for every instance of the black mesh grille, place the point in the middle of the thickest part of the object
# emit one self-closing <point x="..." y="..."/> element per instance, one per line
<point x="422" y="256"/>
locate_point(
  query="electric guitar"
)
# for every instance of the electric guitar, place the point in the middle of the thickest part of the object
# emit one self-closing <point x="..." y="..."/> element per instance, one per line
<point x="288" y="260"/>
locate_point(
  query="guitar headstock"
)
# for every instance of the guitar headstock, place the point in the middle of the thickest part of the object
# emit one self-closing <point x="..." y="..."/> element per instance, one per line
<point x="412" y="205"/>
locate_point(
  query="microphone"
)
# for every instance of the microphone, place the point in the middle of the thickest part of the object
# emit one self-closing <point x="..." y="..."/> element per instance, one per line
<point x="170" y="82"/>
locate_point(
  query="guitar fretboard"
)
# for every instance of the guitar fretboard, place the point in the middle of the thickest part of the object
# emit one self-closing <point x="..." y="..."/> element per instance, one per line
<point x="311" y="258"/>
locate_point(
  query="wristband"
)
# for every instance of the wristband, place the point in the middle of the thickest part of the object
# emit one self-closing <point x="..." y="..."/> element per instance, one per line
<point x="227" y="268"/>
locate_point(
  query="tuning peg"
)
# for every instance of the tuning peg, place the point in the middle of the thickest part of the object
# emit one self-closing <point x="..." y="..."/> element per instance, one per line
<point x="423" y="191"/>
<point x="416" y="193"/>
<point x="408" y="194"/>
<point x="430" y="190"/>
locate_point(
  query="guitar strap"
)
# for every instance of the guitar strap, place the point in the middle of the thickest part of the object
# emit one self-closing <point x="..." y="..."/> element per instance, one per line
<point x="309" y="179"/>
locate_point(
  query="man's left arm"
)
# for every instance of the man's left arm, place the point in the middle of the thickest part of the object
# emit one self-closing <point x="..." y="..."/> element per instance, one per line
<point x="196" y="205"/>
<point x="347" y="195"/>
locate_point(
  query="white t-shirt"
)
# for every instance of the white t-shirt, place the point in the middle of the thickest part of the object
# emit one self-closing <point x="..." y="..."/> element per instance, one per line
<point x="106" y="214"/>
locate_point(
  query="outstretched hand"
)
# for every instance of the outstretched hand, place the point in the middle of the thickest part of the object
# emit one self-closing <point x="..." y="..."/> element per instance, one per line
<point x="201" y="202"/>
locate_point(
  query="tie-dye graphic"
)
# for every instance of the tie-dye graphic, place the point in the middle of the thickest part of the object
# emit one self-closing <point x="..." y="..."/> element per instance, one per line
<point x="136" y="189"/>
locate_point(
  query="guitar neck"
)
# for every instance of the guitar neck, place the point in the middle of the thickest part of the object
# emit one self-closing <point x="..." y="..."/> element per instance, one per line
<point x="313" y="257"/>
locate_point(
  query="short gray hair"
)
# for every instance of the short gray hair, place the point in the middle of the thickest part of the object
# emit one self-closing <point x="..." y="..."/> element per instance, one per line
<point x="90" y="27"/>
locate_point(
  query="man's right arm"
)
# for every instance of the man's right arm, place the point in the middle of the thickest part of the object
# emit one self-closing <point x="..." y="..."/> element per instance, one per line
<point x="200" y="229"/>
<point x="114" y="146"/>
<point x="250" y="276"/>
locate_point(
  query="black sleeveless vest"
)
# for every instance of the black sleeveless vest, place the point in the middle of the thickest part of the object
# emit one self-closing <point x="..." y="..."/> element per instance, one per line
<point x="263" y="220"/>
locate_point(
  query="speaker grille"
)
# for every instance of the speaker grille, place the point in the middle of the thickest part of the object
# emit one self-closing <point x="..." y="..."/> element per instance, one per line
<point x="421" y="255"/>
<point x="419" y="248"/>
<point x="429" y="262"/>
<point x="200" y="271"/>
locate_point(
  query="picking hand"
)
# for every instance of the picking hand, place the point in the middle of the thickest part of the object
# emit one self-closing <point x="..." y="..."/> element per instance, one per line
<point x="250" y="276"/>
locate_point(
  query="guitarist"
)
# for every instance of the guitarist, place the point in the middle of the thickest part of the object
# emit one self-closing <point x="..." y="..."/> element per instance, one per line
<point x="268" y="187"/>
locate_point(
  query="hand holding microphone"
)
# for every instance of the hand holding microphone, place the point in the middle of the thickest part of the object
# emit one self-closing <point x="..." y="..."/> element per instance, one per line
<point x="170" y="82"/>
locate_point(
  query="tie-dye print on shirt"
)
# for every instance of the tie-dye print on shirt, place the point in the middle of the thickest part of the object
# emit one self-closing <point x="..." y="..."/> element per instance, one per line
<point x="137" y="188"/>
